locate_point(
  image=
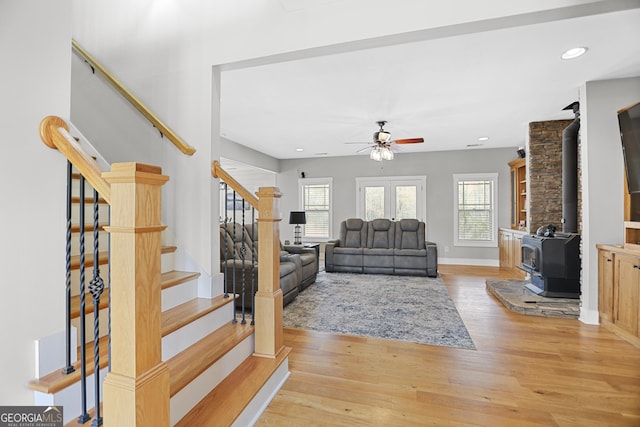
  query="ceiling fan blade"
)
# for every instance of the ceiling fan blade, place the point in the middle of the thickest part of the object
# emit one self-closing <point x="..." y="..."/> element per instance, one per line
<point x="363" y="149"/>
<point x="409" y="141"/>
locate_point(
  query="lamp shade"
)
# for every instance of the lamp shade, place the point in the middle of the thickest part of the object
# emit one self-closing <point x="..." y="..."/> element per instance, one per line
<point x="297" y="217"/>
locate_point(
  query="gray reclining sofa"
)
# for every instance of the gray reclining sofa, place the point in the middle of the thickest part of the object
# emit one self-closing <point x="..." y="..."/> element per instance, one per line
<point x="382" y="246"/>
<point x="298" y="265"/>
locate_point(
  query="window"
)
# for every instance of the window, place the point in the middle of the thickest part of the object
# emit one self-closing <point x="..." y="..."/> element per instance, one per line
<point x="391" y="197"/>
<point x="315" y="200"/>
<point x="475" y="217"/>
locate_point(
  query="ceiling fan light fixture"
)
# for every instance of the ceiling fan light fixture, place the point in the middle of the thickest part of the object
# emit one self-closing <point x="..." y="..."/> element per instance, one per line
<point x="376" y="154"/>
<point x="387" y="154"/>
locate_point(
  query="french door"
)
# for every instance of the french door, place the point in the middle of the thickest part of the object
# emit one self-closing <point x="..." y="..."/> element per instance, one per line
<point x="391" y="197"/>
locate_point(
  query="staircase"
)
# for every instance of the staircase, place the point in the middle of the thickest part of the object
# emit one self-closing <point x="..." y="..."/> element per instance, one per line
<point x="214" y="376"/>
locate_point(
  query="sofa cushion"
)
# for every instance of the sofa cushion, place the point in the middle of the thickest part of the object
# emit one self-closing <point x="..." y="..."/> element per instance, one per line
<point x="353" y="233"/>
<point x="409" y="234"/>
<point x="380" y="233"/>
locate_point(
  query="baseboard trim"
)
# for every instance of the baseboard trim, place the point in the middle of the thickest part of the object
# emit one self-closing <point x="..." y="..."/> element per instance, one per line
<point x="589" y="317"/>
<point x="470" y="261"/>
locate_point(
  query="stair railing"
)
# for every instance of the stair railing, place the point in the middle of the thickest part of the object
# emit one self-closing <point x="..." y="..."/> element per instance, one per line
<point x="136" y="388"/>
<point x="133" y="100"/>
<point x="267" y="301"/>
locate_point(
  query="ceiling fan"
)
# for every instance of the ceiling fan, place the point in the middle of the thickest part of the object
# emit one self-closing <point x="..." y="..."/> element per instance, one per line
<point x="382" y="143"/>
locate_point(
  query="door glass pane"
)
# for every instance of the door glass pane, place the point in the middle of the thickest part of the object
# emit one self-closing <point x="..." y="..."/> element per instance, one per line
<point x="373" y="202"/>
<point x="406" y="196"/>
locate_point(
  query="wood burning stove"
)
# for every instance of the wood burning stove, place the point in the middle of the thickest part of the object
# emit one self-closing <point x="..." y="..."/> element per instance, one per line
<point x="554" y="264"/>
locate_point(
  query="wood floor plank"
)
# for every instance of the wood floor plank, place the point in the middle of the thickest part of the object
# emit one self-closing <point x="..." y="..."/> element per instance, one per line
<point x="525" y="371"/>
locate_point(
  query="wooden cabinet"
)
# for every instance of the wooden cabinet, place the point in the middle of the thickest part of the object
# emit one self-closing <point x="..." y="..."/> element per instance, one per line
<point x="504" y="245"/>
<point x="510" y="248"/>
<point x="518" y="177"/>
<point x="605" y="285"/>
<point x="626" y="286"/>
<point x="619" y="291"/>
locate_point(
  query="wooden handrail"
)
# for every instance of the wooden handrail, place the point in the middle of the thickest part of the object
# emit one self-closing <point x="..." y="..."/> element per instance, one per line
<point x="155" y="121"/>
<point x="54" y="132"/>
<point x="218" y="172"/>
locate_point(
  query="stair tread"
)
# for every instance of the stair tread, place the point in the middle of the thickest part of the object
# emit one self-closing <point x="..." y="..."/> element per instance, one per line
<point x="88" y="199"/>
<point x="223" y="404"/>
<point x="88" y="306"/>
<point x="176" y="277"/>
<point x="183" y="314"/>
<point x="103" y="256"/>
<point x="168" y="279"/>
<point x="166" y="249"/>
<point x="172" y="320"/>
<point x="92" y="414"/>
<point x="56" y="380"/>
<point x="194" y="360"/>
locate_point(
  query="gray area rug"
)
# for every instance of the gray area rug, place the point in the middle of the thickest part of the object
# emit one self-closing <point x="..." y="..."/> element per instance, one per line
<point x="415" y="309"/>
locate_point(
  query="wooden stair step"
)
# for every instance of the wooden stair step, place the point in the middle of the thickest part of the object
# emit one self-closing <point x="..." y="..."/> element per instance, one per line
<point x="225" y="402"/>
<point x="176" y="277"/>
<point x="88" y="200"/>
<point x="183" y="314"/>
<point x="56" y="381"/>
<point x="92" y="414"/>
<point x="168" y="249"/>
<point x="194" y="360"/>
<point x="88" y="228"/>
<point x="169" y="279"/>
<point x="103" y="258"/>
<point x="88" y="304"/>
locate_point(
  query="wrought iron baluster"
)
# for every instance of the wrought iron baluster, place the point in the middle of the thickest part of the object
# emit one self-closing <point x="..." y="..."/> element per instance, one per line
<point x="253" y="266"/>
<point x="235" y="253"/>
<point x="84" y="417"/>
<point x="96" y="287"/>
<point x="109" y="282"/>
<point x="243" y="252"/>
<point x="226" y="241"/>
<point x="69" y="367"/>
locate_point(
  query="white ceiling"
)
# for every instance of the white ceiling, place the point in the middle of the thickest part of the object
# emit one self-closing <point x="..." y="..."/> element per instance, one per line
<point x="450" y="90"/>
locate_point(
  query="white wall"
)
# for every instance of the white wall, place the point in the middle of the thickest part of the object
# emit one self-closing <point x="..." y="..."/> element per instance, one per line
<point x="603" y="177"/>
<point x="35" y="78"/>
<point x="438" y="167"/>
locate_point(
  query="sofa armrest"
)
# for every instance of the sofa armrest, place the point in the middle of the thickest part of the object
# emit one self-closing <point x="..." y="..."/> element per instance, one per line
<point x="432" y="259"/>
<point x="298" y="249"/>
<point x="328" y="254"/>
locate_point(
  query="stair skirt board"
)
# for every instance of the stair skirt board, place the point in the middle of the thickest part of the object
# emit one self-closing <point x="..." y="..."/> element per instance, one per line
<point x="259" y="403"/>
<point x="51" y="352"/>
<point x="176" y="295"/>
<point x="183" y="401"/>
<point x="188" y="335"/>
<point x="70" y="397"/>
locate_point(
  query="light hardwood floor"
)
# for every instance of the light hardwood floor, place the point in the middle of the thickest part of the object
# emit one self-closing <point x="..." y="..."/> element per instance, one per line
<point x="525" y="371"/>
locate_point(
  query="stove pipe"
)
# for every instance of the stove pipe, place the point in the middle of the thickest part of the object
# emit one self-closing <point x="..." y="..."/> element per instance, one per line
<point x="570" y="172"/>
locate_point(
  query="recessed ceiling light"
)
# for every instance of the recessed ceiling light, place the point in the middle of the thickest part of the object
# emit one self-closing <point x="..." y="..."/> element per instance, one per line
<point x="299" y="149"/>
<point x="483" y="138"/>
<point x="574" y="52"/>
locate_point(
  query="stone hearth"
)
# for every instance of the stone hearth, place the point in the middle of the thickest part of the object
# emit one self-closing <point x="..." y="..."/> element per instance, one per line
<point x="517" y="298"/>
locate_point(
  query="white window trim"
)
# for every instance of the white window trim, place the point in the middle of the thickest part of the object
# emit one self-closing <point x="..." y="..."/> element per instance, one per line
<point x="421" y="203"/>
<point x="473" y="177"/>
<point x="315" y="181"/>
